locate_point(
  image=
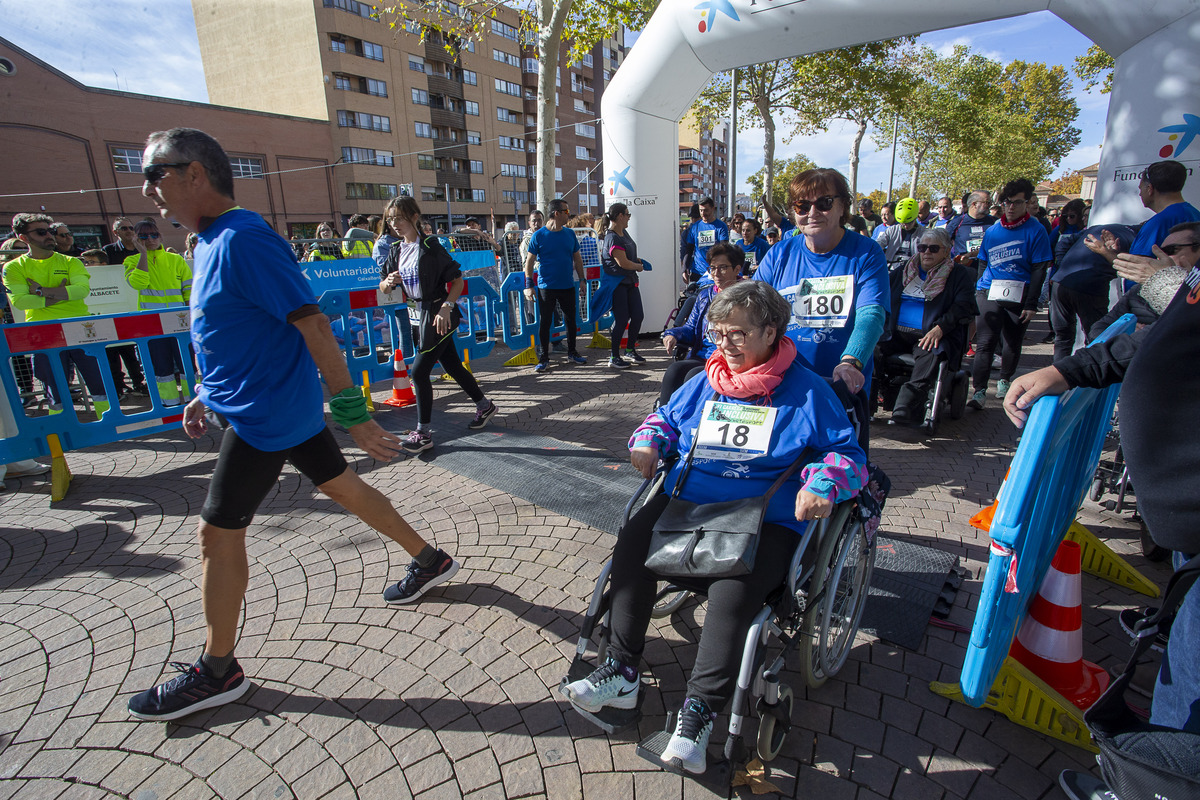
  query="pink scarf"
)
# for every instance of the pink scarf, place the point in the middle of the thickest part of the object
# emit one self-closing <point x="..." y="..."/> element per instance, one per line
<point x="757" y="381"/>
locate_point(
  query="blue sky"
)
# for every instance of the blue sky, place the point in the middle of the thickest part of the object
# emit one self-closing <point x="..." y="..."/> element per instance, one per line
<point x="150" y="47"/>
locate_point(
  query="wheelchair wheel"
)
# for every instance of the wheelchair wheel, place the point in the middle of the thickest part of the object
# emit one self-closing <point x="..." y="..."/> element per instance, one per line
<point x="1097" y="488"/>
<point x="809" y="642"/>
<point x="771" y="734"/>
<point x="959" y="389"/>
<point x="845" y="597"/>
<point x="668" y="600"/>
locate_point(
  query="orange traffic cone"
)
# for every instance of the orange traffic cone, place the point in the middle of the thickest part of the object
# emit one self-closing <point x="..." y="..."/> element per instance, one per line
<point x="402" y="393"/>
<point x="1050" y="641"/>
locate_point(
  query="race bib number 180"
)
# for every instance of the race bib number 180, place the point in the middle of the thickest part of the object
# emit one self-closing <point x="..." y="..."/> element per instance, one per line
<point x="734" y="432"/>
<point x="822" y="302"/>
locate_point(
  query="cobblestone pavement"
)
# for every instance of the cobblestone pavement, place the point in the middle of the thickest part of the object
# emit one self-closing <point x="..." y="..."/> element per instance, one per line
<point x="456" y="696"/>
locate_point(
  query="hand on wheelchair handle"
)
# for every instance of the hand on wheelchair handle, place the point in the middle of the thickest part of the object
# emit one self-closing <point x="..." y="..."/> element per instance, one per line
<point x="811" y="506"/>
<point x="849" y="375"/>
<point x="644" y="460"/>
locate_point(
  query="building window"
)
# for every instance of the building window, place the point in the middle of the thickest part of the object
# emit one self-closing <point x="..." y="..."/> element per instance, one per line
<point x="583" y="153"/>
<point x="476" y="167"/>
<point x="507" y="31"/>
<point x="607" y="77"/>
<point x="377" y="88"/>
<point x="372" y="51"/>
<point x="474" y="137"/>
<point x="433" y="193"/>
<point x="581" y="175"/>
<point x="354" y="7"/>
<point x="510" y="170"/>
<point x="472" y="108"/>
<point x="470" y="46"/>
<point x="506" y="87"/>
<point x="504" y="115"/>
<point x="531" y="66"/>
<point x="337" y="45"/>
<point x="425" y="162"/>
<point x="578" y="104"/>
<point x="342" y="82"/>
<point x="359" y="119"/>
<point x="417" y="64"/>
<point x="424" y="131"/>
<point x="510" y="143"/>
<point x="127" y="159"/>
<point x="367" y="155"/>
<point x="587" y="131"/>
<point x="470" y="78"/>
<point x="505" y="58"/>
<point x="477" y="195"/>
<point x="420" y="97"/>
<point x="558" y="173"/>
<point x="587" y="59"/>
<point x="370" y="191"/>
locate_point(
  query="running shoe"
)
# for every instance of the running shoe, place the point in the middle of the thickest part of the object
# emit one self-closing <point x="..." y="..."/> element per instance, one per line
<point x="635" y="356"/>
<point x="541" y="367"/>
<point x="689" y="743"/>
<point x="575" y="358"/>
<point x="195" y="690"/>
<point x="482" y="417"/>
<point x="609" y="686"/>
<point x="978" y="399"/>
<point x="1002" y="388"/>
<point x="419" y="580"/>
<point x="616" y="362"/>
<point x="416" y="442"/>
<point x="1132" y="616"/>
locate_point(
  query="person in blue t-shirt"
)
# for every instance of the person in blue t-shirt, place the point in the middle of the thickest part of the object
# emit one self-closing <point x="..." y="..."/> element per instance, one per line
<point x="260" y="339"/>
<point x="1161" y="191"/>
<point x="554" y="250"/>
<point x="699" y="238"/>
<point x="754" y="244"/>
<point x="1014" y="257"/>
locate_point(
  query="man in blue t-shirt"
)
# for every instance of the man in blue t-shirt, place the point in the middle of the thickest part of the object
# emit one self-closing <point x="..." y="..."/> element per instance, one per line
<point x="701" y="236"/>
<point x="554" y="250"/>
<point x="1161" y="191"/>
<point x="260" y="339"/>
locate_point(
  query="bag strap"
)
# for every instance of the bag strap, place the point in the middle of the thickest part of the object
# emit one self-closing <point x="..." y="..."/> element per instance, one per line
<point x="774" y="486"/>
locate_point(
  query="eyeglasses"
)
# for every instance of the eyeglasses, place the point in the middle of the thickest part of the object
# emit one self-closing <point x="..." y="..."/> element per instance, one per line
<point x="944" y="208"/>
<point x="720" y="267"/>
<point x="125" y="228"/>
<point x="1012" y="201"/>
<point x="824" y="203"/>
<point x="1172" y="249"/>
<point x="736" y="337"/>
<point x="145" y="236"/>
<point x="62" y="232"/>
<point x="39" y="231"/>
<point x="153" y="173"/>
<point x="932" y="249"/>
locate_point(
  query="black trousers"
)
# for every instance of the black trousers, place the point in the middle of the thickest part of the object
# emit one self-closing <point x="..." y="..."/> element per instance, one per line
<point x="996" y="322"/>
<point x="445" y="353"/>
<point x="129" y="354"/>
<point x="915" y="392"/>
<point x="627" y="310"/>
<point x="566" y="300"/>
<point x="732" y="604"/>
<point x="676" y="375"/>
<point x="1069" y="308"/>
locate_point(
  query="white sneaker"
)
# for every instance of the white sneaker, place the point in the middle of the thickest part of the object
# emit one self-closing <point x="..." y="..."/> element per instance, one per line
<point x="606" y="687"/>
<point x="689" y="743"/>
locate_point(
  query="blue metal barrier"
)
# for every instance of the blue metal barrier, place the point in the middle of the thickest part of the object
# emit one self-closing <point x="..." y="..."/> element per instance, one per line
<point x="1050" y="474"/>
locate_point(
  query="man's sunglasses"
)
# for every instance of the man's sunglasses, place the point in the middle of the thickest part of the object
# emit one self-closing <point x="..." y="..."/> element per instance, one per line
<point x="932" y="249"/>
<point x="1172" y="249"/>
<point x="153" y="173"/>
<point x="39" y="231"/>
<point x="144" y="236"/>
<point x="822" y="203"/>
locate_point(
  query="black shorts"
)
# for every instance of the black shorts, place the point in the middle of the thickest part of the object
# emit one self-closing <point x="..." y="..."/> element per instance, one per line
<point x="245" y="474"/>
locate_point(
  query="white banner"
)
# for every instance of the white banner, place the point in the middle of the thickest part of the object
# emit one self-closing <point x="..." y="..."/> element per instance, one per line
<point x="110" y="294"/>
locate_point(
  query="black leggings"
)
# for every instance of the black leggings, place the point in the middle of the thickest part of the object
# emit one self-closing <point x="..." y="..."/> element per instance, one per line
<point x="565" y="299"/>
<point x="627" y="310"/>
<point x="446" y="353"/>
<point x="996" y="321"/>
<point x="732" y="603"/>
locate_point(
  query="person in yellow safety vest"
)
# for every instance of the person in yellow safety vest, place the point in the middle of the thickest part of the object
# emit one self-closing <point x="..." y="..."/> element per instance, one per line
<point x="47" y="285"/>
<point x="163" y="280"/>
<point x="359" y="238"/>
<point x="324" y="251"/>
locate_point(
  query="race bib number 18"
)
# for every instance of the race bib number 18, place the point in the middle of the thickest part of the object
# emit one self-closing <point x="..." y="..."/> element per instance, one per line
<point x="822" y="302"/>
<point x="734" y="432"/>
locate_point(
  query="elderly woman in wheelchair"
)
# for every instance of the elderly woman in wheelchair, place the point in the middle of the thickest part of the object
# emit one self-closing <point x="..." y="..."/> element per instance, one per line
<point x="734" y="432"/>
<point x="933" y="301"/>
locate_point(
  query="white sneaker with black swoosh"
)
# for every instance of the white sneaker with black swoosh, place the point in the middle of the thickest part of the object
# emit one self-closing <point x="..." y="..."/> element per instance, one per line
<point x="607" y="687"/>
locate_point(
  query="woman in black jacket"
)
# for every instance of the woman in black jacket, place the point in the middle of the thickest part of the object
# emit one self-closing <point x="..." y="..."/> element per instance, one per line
<point x="933" y="299"/>
<point x="425" y="273"/>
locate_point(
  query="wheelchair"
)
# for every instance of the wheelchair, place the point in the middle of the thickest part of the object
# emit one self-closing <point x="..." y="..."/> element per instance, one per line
<point x="816" y="612"/>
<point x="949" y="393"/>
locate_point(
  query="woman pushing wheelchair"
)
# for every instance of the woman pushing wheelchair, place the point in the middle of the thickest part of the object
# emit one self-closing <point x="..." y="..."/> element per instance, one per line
<point x="756" y="420"/>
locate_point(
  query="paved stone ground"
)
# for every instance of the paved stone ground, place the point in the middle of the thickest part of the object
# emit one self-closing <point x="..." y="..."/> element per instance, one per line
<point x="456" y="697"/>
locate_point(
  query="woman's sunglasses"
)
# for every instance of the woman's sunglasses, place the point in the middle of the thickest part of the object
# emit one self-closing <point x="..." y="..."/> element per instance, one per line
<point x="932" y="249"/>
<point x="822" y="203"/>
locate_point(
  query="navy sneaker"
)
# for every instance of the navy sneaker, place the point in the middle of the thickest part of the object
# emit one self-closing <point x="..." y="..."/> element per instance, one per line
<point x="635" y="356"/>
<point x="418" y="580"/>
<point x="616" y="362"/>
<point x="576" y="358"/>
<point x="195" y="690"/>
<point x="541" y="367"/>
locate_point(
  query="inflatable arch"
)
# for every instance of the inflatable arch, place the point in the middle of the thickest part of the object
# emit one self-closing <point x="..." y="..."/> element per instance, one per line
<point x="1154" y="108"/>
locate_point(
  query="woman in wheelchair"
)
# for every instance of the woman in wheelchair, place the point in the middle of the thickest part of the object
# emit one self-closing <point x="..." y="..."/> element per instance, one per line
<point x="933" y="300"/>
<point x="725" y="263"/>
<point x="738" y="454"/>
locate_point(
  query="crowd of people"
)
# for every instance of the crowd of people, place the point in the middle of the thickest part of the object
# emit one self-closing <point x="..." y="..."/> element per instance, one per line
<point x="780" y="310"/>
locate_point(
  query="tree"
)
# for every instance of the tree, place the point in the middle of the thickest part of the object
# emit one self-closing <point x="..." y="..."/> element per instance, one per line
<point x="544" y="24"/>
<point x="1070" y="182"/>
<point x="783" y="171"/>
<point x="1095" y="67"/>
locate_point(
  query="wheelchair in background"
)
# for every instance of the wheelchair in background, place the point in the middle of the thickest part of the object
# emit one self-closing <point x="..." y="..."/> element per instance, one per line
<point x="948" y="396"/>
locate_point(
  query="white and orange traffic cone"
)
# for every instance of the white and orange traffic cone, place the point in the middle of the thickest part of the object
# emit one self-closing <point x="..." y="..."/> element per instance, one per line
<point x="402" y="393"/>
<point x="1050" y="641"/>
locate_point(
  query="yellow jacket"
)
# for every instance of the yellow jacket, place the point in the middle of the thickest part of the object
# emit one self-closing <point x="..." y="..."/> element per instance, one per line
<point x="51" y="272"/>
<point x="165" y="283"/>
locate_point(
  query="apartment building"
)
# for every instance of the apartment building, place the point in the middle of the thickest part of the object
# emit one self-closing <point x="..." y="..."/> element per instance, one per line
<point x="703" y="164"/>
<point x="450" y="121"/>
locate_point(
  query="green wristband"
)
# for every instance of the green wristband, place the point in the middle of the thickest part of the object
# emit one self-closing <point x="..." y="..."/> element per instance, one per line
<point x="348" y="407"/>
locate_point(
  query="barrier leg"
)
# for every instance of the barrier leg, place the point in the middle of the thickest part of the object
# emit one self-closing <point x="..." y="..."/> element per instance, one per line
<point x="1030" y="702"/>
<point x="526" y="357"/>
<point x="366" y="390"/>
<point x="599" y="341"/>
<point x="60" y="473"/>
<point x="1100" y="560"/>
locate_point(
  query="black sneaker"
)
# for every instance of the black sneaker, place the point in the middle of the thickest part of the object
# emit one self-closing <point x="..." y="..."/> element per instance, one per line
<point x="139" y="390"/>
<point x="616" y="362"/>
<point x="482" y="417"/>
<point x="635" y="356"/>
<point x="195" y="690"/>
<point x="418" y="581"/>
<point x="1131" y="616"/>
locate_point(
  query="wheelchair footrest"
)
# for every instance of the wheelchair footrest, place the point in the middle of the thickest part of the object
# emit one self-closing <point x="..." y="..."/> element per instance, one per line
<point x="609" y="720"/>
<point x="718" y="774"/>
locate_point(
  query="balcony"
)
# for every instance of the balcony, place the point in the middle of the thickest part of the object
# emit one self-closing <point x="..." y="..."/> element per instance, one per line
<point x="437" y="52"/>
<point x="449" y="119"/>
<point x="457" y="180"/>
<point x="448" y="149"/>
<point x="439" y="85"/>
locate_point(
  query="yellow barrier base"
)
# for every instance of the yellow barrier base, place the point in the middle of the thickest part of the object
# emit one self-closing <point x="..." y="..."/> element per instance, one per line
<point x="366" y="390"/>
<point x="1099" y="560"/>
<point x="600" y="342"/>
<point x="526" y="358"/>
<point x="60" y="473"/>
<point x="1028" y="701"/>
